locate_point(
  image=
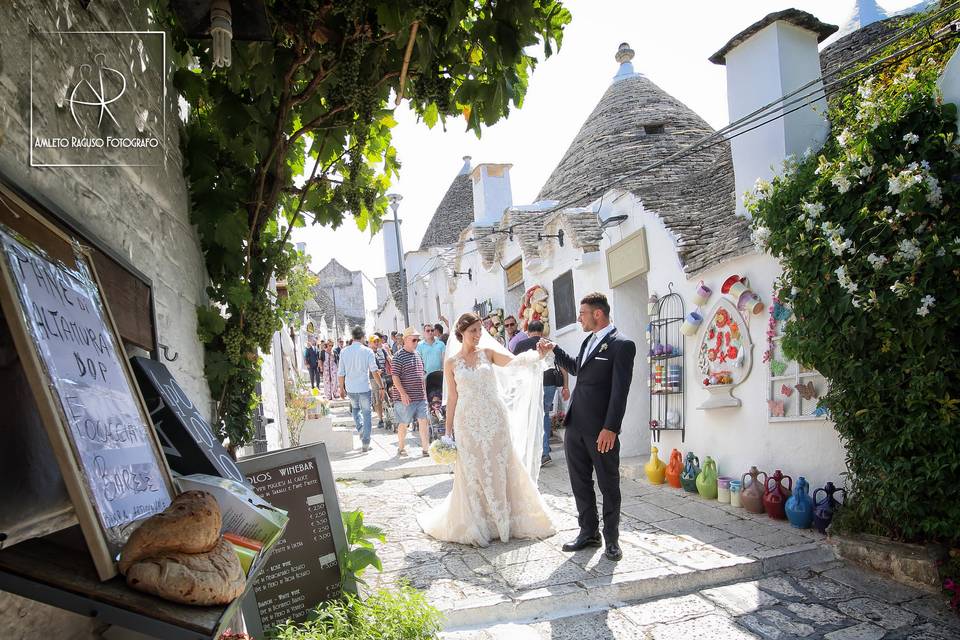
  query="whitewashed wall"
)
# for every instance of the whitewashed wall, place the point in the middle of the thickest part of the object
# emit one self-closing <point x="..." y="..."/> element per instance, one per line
<point x="735" y="437"/>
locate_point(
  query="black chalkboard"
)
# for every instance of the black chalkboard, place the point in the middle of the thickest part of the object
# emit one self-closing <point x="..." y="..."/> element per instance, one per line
<point x="187" y="439"/>
<point x="303" y="570"/>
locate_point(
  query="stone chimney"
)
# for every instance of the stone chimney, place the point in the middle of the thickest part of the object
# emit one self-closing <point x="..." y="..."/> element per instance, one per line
<point x="392" y="250"/>
<point x="624" y="57"/>
<point x="768" y="60"/>
<point x="491" y="193"/>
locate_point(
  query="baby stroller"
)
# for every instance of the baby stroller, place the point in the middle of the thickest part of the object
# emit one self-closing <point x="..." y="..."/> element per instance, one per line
<point x="435" y="408"/>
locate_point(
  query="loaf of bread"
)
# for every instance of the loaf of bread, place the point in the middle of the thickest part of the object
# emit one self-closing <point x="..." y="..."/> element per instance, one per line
<point x="202" y="579"/>
<point x="191" y="524"/>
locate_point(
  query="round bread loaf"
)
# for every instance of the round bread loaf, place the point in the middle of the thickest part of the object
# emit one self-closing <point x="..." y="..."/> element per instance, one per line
<point x="201" y="579"/>
<point x="191" y="524"/>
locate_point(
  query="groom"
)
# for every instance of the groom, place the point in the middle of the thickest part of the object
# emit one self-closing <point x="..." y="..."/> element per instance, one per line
<point x="604" y="370"/>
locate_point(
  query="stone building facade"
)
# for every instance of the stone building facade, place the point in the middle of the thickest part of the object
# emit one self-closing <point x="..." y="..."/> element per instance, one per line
<point x="139" y="214"/>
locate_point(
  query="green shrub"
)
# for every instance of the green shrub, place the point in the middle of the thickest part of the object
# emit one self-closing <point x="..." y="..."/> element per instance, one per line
<point x="868" y="235"/>
<point x="388" y="614"/>
<point x="360" y="552"/>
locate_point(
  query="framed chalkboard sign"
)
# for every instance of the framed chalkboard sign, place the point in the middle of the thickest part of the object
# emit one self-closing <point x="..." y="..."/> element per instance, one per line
<point x="95" y="419"/>
<point x="303" y="570"/>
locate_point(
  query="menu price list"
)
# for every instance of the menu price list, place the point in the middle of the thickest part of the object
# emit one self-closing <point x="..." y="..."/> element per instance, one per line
<point x="302" y="571"/>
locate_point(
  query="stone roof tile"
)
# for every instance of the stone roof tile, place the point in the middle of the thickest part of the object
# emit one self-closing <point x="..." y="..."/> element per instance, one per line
<point x="453" y="215"/>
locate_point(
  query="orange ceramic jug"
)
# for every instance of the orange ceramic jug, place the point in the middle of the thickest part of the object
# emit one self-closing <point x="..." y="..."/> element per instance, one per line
<point x="674" y="469"/>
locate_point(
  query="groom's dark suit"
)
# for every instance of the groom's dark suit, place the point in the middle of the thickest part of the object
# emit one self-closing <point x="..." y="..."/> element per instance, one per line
<point x="599" y="402"/>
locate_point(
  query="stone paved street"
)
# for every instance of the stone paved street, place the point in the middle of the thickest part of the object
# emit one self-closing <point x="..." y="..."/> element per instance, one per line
<point x="697" y="568"/>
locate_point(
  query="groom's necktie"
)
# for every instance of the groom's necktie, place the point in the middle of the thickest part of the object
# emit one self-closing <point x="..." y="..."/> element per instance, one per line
<point x="589" y="349"/>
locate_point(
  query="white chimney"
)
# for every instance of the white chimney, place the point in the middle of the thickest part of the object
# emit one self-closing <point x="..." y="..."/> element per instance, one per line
<point x="491" y="193"/>
<point x="466" y="168"/>
<point x="768" y="60"/>
<point x="392" y="250"/>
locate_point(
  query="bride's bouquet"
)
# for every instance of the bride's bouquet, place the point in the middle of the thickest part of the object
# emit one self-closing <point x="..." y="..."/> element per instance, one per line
<point x="444" y="450"/>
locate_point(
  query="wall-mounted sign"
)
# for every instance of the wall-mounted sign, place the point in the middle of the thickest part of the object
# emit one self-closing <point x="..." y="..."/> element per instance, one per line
<point x="515" y="274"/>
<point x="108" y="455"/>
<point x="628" y="258"/>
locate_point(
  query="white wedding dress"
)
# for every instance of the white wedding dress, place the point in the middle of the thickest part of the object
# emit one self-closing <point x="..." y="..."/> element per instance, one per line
<point x="494" y="494"/>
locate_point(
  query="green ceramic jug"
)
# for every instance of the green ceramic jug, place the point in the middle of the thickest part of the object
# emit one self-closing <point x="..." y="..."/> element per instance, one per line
<point x="688" y="479"/>
<point x="707" y="480"/>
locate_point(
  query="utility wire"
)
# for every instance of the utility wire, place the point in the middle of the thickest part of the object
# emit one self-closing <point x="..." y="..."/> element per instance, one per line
<point x="827" y="90"/>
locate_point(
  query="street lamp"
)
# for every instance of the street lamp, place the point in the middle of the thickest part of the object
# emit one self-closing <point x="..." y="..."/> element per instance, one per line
<point x="394" y="200"/>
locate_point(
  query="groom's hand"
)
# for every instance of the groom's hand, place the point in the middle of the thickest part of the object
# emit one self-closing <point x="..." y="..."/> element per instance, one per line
<point x="606" y="440"/>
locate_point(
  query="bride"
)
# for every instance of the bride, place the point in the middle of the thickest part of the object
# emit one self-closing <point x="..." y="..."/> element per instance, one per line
<point x="496" y="415"/>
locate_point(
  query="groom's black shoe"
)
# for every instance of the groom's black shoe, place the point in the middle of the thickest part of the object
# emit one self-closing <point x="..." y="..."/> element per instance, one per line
<point x="613" y="552"/>
<point x="582" y="542"/>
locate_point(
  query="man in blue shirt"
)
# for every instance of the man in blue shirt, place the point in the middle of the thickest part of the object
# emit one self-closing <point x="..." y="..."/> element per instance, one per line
<point x="431" y="350"/>
<point x="357" y="363"/>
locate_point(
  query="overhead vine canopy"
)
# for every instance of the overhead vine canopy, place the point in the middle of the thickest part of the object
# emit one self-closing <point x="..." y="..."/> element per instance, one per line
<point x="299" y="129"/>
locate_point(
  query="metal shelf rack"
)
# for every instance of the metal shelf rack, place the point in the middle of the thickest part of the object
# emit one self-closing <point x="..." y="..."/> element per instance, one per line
<point x="665" y="381"/>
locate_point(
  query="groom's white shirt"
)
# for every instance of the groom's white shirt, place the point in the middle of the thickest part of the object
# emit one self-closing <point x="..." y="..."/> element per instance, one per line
<point x="597" y="338"/>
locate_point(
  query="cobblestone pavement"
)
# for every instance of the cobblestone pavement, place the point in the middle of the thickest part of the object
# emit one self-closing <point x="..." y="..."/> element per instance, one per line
<point x="700" y="570"/>
<point x="830" y="600"/>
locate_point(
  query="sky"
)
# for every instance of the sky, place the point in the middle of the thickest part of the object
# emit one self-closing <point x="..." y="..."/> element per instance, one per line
<point x="672" y="41"/>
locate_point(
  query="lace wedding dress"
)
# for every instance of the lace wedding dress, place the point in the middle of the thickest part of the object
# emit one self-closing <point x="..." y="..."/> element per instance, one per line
<point x="494" y="495"/>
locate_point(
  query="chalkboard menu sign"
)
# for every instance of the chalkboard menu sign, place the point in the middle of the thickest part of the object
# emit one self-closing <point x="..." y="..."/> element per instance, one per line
<point x="303" y="570"/>
<point x="109" y="459"/>
<point x="187" y="439"/>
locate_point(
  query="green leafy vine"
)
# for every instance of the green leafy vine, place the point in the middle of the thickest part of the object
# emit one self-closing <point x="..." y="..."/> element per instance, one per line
<point x="868" y="235"/>
<point x="299" y="129"/>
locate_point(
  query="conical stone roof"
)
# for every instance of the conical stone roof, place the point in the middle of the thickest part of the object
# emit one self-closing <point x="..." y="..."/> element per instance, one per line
<point x="635" y="124"/>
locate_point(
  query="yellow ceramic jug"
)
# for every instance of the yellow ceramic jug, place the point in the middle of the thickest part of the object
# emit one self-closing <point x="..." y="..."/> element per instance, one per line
<point x="655" y="468"/>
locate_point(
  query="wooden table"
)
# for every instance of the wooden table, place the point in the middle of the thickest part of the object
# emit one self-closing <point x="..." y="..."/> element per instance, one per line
<point x="57" y="570"/>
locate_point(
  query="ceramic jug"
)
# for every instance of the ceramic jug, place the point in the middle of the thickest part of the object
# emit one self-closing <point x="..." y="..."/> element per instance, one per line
<point x="707" y="480"/>
<point x="655" y="468"/>
<point x="775" y="495"/>
<point x="799" y="506"/>
<point x="674" y="469"/>
<point x="690" y="472"/>
<point x="751" y="493"/>
<point x="826" y="507"/>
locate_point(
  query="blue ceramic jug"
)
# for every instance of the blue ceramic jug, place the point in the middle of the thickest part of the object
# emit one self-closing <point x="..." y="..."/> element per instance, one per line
<point x="823" y="512"/>
<point x="688" y="479"/>
<point x="799" y="506"/>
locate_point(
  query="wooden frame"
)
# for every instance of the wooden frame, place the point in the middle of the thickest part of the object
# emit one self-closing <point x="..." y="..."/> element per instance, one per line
<point x="628" y="258"/>
<point x="50" y="407"/>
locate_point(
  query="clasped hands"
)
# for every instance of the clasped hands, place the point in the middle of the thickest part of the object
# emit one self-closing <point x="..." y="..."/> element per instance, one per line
<point x="544" y="347"/>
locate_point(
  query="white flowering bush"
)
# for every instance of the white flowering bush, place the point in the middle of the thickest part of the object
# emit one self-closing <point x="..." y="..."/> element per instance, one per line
<point x="868" y="235"/>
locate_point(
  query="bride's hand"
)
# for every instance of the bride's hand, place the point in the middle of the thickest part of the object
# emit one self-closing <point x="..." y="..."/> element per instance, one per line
<point x="544" y="347"/>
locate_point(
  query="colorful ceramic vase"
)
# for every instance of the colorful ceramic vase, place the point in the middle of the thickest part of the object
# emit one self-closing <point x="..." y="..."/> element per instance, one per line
<point x="775" y="495"/>
<point x="691" y="324"/>
<point x="799" y="506"/>
<point x="690" y="472"/>
<point x="751" y="493"/>
<point x="707" y="480"/>
<point x="723" y="489"/>
<point x="674" y="469"/>
<point x="826" y="507"/>
<point x="735" y="493"/>
<point x="655" y="468"/>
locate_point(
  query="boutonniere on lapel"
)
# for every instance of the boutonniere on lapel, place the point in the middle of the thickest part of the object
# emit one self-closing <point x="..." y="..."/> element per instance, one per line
<point x="603" y="347"/>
